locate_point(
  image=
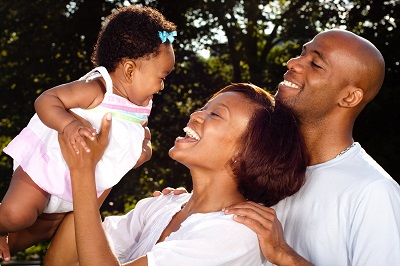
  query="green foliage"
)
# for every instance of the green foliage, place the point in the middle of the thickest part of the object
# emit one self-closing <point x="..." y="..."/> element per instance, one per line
<point x="35" y="252"/>
<point x="45" y="43"/>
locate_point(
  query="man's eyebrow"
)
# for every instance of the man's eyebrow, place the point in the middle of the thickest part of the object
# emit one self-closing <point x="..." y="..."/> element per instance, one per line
<point x="318" y="53"/>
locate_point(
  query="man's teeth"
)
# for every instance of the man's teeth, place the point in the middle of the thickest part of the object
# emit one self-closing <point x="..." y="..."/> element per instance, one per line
<point x="191" y="133"/>
<point x="290" y="84"/>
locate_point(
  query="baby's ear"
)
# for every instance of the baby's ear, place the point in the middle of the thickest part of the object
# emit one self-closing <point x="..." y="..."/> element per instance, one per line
<point x="354" y="96"/>
<point x="129" y="68"/>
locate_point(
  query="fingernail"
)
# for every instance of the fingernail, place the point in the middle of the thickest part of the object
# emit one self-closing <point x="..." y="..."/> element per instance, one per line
<point x="109" y="115"/>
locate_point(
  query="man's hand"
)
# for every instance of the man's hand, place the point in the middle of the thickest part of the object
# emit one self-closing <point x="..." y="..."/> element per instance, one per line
<point x="166" y="191"/>
<point x="263" y="221"/>
<point x="4" y="249"/>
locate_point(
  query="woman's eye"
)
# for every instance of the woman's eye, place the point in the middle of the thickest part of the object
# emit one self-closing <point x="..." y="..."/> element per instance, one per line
<point x="214" y="114"/>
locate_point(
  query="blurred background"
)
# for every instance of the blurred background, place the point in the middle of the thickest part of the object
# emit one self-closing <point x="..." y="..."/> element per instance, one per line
<point x="45" y="43"/>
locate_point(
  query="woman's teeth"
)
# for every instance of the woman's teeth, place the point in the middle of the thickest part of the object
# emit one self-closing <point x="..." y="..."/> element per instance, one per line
<point x="191" y="133"/>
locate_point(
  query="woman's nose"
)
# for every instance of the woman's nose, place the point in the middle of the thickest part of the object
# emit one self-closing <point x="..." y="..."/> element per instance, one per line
<point x="197" y="116"/>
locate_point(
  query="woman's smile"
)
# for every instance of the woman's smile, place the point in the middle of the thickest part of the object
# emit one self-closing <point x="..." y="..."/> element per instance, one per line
<point x="191" y="136"/>
<point x="190" y="133"/>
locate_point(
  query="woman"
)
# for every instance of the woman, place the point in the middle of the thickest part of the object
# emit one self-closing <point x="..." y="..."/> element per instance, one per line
<point x="240" y="146"/>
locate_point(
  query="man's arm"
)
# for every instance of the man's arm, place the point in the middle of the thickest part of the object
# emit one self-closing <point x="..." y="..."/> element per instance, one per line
<point x="263" y="221"/>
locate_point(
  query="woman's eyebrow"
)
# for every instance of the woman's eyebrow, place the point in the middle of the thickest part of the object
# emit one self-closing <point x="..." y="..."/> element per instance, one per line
<point x="223" y="106"/>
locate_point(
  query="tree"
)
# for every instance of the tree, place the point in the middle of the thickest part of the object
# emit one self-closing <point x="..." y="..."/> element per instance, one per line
<point x="45" y="43"/>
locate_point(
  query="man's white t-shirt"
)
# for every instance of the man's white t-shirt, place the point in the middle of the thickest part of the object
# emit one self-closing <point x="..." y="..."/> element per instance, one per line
<point x="347" y="213"/>
<point x="203" y="238"/>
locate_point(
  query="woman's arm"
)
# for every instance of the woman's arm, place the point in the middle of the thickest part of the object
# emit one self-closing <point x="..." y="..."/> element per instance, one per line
<point x="62" y="249"/>
<point x="63" y="241"/>
<point x="91" y="242"/>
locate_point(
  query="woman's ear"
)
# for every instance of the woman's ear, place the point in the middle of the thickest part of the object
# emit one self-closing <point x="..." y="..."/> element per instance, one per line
<point x="353" y="98"/>
<point x="235" y="158"/>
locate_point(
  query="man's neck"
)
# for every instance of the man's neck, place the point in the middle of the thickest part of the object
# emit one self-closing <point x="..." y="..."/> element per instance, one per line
<point x="325" y="143"/>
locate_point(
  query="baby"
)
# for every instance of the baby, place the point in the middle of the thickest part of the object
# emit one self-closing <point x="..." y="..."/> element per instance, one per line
<point x="132" y="57"/>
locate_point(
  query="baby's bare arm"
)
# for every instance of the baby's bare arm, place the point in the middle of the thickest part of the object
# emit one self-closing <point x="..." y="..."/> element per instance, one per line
<point x="52" y="108"/>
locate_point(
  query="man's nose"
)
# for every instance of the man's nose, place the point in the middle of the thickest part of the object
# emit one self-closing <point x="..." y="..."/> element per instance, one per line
<point x="295" y="64"/>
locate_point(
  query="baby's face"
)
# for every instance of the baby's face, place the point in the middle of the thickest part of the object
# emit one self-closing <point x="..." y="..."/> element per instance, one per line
<point x="148" y="77"/>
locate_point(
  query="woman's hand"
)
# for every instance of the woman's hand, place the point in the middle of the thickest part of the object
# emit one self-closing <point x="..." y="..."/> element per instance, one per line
<point x="77" y="161"/>
<point x="77" y="132"/>
<point x="146" y="148"/>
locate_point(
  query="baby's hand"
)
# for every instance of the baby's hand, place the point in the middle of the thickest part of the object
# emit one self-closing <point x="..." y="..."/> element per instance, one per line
<point x="76" y="131"/>
<point x="167" y="190"/>
<point x="4" y="249"/>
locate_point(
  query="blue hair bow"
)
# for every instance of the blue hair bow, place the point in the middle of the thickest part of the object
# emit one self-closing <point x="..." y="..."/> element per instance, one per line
<point x="164" y="36"/>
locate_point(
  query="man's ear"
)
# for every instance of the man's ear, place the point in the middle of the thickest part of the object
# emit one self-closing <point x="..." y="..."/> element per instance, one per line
<point x="354" y="96"/>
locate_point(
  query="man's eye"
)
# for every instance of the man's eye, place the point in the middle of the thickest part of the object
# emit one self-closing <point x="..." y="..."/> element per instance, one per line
<point x="315" y="65"/>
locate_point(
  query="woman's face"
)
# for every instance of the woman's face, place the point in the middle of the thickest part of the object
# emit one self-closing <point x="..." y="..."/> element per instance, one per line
<point x="212" y="134"/>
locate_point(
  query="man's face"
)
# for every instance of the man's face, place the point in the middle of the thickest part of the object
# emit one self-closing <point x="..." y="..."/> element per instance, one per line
<point x="314" y="79"/>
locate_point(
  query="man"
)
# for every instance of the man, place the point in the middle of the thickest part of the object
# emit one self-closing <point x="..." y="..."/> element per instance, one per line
<point x="348" y="211"/>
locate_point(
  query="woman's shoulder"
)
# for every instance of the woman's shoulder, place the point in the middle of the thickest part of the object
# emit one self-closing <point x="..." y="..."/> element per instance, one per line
<point x="169" y="200"/>
<point x="212" y="234"/>
<point x="219" y="225"/>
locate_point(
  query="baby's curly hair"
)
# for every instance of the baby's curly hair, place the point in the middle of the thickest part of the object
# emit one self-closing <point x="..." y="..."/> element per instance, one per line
<point x="129" y="32"/>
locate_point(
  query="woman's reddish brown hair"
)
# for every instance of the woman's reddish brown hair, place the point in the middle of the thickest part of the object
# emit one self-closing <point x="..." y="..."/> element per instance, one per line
<point x="272" y="159"/>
